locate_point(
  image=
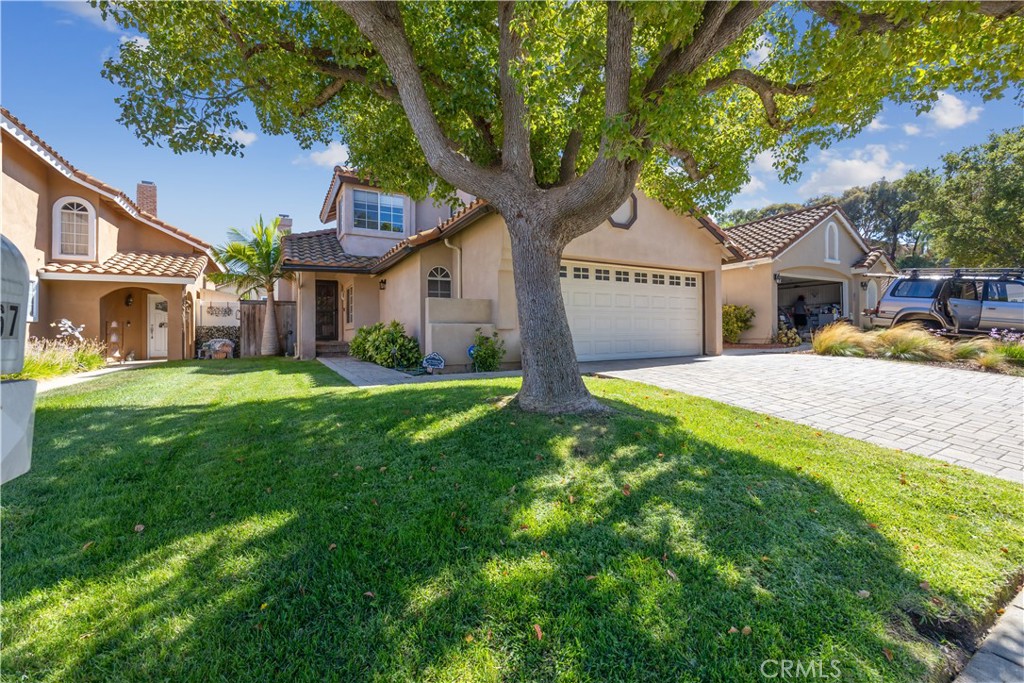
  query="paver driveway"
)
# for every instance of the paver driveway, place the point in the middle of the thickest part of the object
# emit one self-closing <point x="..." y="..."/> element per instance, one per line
<point x="969" y="418"/>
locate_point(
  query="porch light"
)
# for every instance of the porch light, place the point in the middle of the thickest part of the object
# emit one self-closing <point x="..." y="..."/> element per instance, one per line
<point x="864" y="285"/>
<point x="383" y="284"/>
<point x="778" y="279"/>
<point x="129" y="300"/>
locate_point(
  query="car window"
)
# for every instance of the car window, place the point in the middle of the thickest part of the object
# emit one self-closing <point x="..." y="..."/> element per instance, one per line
<point x="1005" y="291"/>
<point x="917" y="289"/>
<point x="965" y="290"/>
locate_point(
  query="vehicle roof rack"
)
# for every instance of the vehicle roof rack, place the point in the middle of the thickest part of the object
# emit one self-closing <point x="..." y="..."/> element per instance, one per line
<point x="984" y="273"/>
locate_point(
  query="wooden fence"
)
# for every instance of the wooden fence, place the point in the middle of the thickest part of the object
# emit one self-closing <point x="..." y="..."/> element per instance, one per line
<point x="251" y="325"/>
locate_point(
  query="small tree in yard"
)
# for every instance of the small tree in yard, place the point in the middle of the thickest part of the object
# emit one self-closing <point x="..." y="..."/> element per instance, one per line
<point x="253" y="262"/>
<point x="552" y="112"/>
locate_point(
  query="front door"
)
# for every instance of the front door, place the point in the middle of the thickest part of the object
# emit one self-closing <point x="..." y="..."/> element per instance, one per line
<point x="157" y="326"/>
<point x="326" y="310"/>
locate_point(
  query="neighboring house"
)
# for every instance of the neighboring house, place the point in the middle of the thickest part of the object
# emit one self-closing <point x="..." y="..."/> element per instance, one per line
<point x="814" y="252"/>
<point x="97" y="257"/>
<point x="645" y="284"/>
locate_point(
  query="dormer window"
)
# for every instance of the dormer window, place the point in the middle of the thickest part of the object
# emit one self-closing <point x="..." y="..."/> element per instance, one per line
<point x="378" y="211"/>
<point x="74" y="229"/>
<point x="831" y="243"/>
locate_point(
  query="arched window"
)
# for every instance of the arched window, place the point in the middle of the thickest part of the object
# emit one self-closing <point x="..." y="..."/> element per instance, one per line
<point x="439" y="283"/>
<point x="74" y="229"/>
<point x="832" y="243"/>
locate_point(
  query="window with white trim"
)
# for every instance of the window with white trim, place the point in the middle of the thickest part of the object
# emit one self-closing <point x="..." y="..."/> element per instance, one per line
<point x="690" y="281"/>
<point x="563" y="271"/>
<point x="622" y="276"/>
<point x="602" y="274"/>
<point x="675" y="281"/>
<point x="439" y="283"/>
<point x="378" y="211"/>
<point x="657" y="279"/>
<point x="640" y="278"/>
<point x="33" y="301"/>
<point x="74" y="229"/>
<point x="580" y="273"/>
<point x="832" y="243"/>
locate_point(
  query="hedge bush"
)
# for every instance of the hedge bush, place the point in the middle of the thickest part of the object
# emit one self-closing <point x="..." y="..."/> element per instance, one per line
<point x="735" y="321"/>
<point x="387" y="345"/>
<point x="488" y="351"/>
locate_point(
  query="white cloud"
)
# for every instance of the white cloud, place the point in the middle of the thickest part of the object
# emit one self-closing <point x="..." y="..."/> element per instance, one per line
<point x="759" y="54"/>
<point x="335" y="154"/>
<point x="243" y="137"/>
<point x="84" y="10"/>
<point x="877" y="125"/>
<point x="141" y="41"/>
<point x="862" y="167"/>
<point x="911" y="129"/>
<point x="753" y="186"/>
<point x="763" y="162"/>
<point x="952" y="112"/>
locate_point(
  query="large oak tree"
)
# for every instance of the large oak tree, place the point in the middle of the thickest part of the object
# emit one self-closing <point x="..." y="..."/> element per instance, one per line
<point x="552" y="111"/>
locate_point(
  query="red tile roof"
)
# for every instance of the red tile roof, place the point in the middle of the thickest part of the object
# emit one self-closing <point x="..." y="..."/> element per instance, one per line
<point x="320" y="249"/>
<point x="769" y="237"/>
<point x="870" y="259"/>
<point x="91" y="180"/>
<point x="137" y="264"/>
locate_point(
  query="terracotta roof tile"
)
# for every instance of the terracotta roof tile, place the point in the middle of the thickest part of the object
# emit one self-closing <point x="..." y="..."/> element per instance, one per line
<point x="870" y="259"/>
<point x="768" y="237"/>
<point x="321" y="248"/>
<point x="92" y="180"/>
<point x="138" y="263"/>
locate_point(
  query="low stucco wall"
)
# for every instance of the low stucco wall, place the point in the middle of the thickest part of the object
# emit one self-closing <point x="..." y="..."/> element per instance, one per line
<point x="754" y="287"/>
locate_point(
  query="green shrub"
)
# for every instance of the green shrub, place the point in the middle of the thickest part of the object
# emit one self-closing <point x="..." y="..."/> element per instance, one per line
<point x="387" y="345"/>
<point x="911" y="342"/>
<point x="841" y="339"/>
<point x="46" y="358"/>
<point x="735" y="321"/>
<point x="1013" y="353"/>
<point x="488" y="352"/>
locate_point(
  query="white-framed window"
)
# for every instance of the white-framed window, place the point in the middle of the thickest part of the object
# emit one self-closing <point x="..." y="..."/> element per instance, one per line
<point x="33" y="301"/>
<point x="602" y="274"/>
<point x="657" y="279"/>
<point x="832" y="243"/>
<point x="640" y="278"/>
<point x="580" y="273"/>
<point x="74" y="229"/>
<point x="563" y="271"/>
<point x="690" y="281"/>
<point x="439" y="283"/>
<point x="675" y="281"/>
<point x="377" y="211"/>
<point x="622" y="276"/>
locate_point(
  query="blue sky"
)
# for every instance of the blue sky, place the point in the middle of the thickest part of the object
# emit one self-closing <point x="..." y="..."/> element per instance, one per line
<point x="52" y="54"/>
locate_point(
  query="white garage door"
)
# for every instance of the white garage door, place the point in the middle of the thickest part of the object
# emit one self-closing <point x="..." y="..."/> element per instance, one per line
<point x="621" y="312"/>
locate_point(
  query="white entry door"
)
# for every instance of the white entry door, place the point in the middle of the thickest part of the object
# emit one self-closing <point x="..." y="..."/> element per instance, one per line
<point x="157" y="326"/>
<point x="618" y="312"/>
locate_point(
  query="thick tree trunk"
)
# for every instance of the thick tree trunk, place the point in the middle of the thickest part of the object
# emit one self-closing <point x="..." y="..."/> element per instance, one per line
<point x="551" y="376"/>
<point x="268" y="344"/>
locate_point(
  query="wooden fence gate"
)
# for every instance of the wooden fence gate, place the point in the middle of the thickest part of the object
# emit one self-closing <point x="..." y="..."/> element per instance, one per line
<point x="251" y="323"/>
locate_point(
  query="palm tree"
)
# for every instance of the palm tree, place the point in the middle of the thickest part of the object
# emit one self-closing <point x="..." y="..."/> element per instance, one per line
<point x="253" y="262"/>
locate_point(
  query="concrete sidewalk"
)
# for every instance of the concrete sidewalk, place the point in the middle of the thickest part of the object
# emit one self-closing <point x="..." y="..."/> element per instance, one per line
<point x="1000" y="659"/>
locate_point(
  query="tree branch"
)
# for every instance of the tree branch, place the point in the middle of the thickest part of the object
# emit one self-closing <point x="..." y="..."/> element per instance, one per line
<point x="765" y="89"/>
<point x="836" y="13"/>
<point x="343" y="76"/>
<point x="381" y="24"/>
<point x="688" y="161"/>
<point x="571" y="152"/>
<point x="515" y="156"/>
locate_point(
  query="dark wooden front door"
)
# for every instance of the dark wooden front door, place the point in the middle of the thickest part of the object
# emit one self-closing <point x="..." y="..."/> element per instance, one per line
<point x="326" y="310"/>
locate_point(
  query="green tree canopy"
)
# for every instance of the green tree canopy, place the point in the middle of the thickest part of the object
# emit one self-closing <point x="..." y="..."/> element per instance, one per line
<point x="974" y="205"/>
<point x="552" y="111"/>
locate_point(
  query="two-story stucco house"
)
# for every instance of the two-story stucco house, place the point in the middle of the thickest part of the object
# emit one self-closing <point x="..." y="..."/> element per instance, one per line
<point x="816" y="253"/>
<point x="645" y="284"/>
<point x="97" y="257"/>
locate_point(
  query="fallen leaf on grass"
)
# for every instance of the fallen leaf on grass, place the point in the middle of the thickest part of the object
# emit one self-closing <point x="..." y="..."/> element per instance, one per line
<point x="765" y="558"/>
<point x="374" y="501"/>
<point x="936" y="601"/>
<point x="84" y="636"/>
<point x="469" y="638"/>
<point x="264" y="606"/>
<point x="747" y="630"/>
<point x="333" y="546"/>
<point x="887" y="652"/>
<point x="369" y="594"/>
<point x="572" y="499"/>
<point x="524" y="527"/>
<point x="384" y="469"/>
<point x="925" y="586"/>
<point x="661" y="455"/>
<point x="872" y="525"/>
<point x="543" y="553"/>
<point x="139" y="528"/>
<point x="591" y="577"/>
<point x="87" y="546"/>
<point x="540" y="634"/>
<point x="672" y="575"/>
<point x="239" y="460"/>
<point x="359" y="468"/>
<point x="1004" y="549"/>
<point x="733" y="629"/>
<point x="864" y="594"/>
<point x="1000" y="611"/>
<point x="626" y="490"/>
<point x="268" y="489"/>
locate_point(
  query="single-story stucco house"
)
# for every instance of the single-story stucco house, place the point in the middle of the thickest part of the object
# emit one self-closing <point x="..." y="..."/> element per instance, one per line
<point x="98" y="257"/>
<point x="814" y="252"/>
<point x="646" y="283"/>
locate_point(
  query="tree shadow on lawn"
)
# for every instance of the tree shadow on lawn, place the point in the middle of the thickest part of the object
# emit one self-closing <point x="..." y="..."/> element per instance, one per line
<point x="266" y="525"/>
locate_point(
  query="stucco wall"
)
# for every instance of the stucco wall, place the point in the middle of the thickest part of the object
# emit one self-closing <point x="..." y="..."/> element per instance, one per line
<point x="402" y="299"/>
<point x="754" y="287"/>
<point x="809" y="252"/>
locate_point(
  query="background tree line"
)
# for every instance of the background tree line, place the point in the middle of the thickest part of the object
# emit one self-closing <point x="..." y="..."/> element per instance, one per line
<point x="967" y="212"/>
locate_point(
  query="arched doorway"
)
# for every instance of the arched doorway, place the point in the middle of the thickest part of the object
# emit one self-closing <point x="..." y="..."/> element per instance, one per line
<point x="134" y="324"/>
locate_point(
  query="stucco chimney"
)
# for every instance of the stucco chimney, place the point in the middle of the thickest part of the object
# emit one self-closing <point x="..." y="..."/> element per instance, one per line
<point x="285" y="226"/>
<point x="145" y="196"/>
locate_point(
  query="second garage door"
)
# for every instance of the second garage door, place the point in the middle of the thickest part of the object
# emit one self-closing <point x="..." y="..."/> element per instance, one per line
<point x="617" y="312"/>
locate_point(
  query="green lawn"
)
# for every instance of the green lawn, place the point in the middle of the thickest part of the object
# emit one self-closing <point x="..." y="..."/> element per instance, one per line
<point x="299" y="529"/>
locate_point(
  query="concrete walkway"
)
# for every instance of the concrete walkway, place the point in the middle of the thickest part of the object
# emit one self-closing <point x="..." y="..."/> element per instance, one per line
<point x="368" y="375"/>
<point x="1000" y="659"/>
<point x="973" y="419"/>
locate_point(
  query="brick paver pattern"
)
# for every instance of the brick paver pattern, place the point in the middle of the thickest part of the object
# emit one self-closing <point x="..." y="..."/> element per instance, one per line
<point x="973" y="419"/>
